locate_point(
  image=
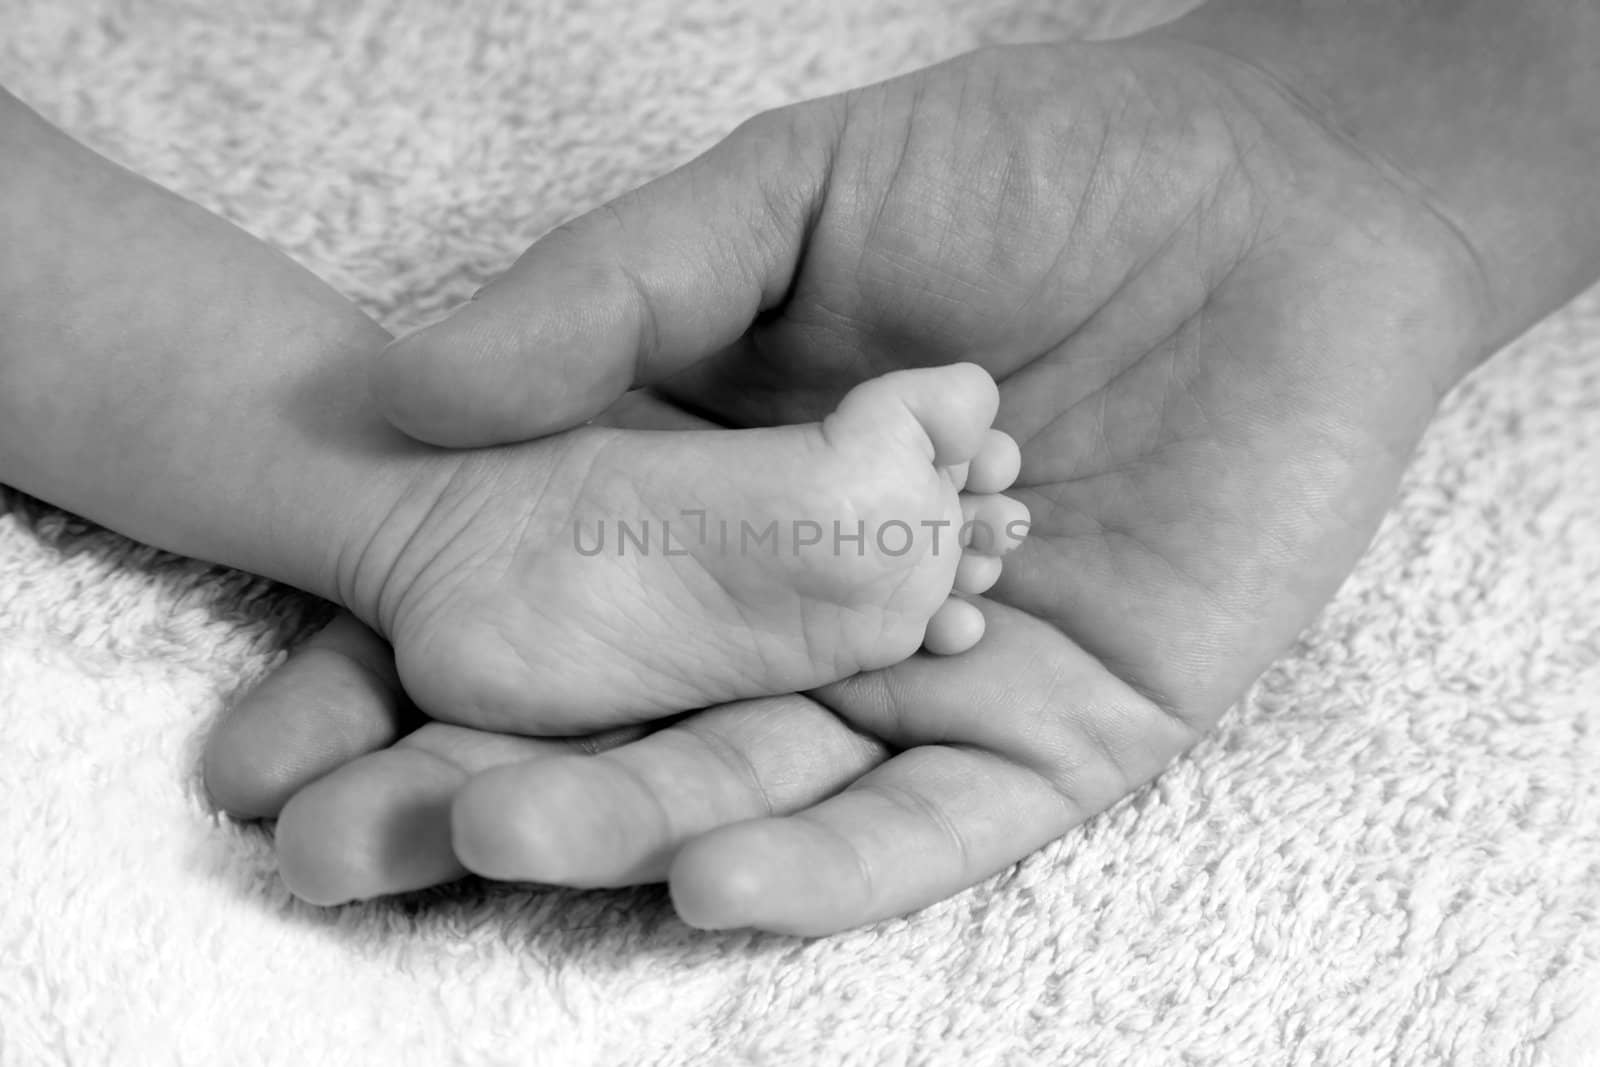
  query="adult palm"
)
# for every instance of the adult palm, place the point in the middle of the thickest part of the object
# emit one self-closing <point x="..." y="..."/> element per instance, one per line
<point x="1219" y="328"/>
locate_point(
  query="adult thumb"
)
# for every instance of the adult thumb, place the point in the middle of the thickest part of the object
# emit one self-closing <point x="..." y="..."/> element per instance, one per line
<point x="623" y="296"/>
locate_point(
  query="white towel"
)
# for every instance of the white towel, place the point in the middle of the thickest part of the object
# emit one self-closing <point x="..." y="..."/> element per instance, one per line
<point x="1390" y="852"/>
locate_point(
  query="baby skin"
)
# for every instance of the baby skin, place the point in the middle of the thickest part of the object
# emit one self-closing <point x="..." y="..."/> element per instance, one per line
<point x="607" y="576"/>
<point x="154" y="381"/>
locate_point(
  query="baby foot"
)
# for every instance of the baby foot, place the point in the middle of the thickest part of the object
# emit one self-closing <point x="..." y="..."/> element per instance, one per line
<point x="626" y="575"/>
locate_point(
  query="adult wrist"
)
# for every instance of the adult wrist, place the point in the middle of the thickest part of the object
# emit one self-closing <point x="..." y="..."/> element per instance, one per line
<point x="1484" y="109"/>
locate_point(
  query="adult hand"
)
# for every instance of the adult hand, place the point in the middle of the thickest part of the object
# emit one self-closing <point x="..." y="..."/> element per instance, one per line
<point x="1220" y="326"/>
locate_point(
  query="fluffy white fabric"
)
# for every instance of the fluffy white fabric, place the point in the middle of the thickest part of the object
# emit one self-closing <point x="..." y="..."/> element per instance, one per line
<point x="1390" y="852"/>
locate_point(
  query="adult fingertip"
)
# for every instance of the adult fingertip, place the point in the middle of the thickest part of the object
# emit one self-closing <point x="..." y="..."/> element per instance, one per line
<point x="316" y="860"/>
<point x="265" y="749"/>
<point x="235" y="781"/>
<point x="377" y="827"/>
<point x="321" y="709"/>
<point x="417" y="387"/>
<point x="754" y="874"/>
<point x="532" y="357"/>
<point x="713" y="890"/>
<point x="497" y="833"/>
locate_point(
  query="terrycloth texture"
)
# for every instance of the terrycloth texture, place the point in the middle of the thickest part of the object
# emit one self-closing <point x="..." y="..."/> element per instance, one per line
<point x="1389" y="853"/>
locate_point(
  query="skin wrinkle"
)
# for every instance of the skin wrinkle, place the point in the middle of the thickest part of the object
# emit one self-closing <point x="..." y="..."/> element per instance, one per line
<point x="1173" y="705"/>
<point x="441" y="502"/>
<point x="738" y="761"/>
<point x="666" y="829"/>
<point x="1070" y="240"/>
<point x="1015" y="187"/>
<point x="970" y="277"/>
<point x="683" y="670"/>
<point x="1128" y="279"/>
<point x="348" y="578"/>
<point x="417" y="589"/>
<point x="787" y="208"/>
<point x="866" y="880"/>
<point x="913" y="801"/>
<point x="1041" y="713"/>
<point x="740" y="726"/>
<point x="811" y="199"/>
<point x="900" y="712"/>
<point x="1104" y="396"/>
<point x="951" y="236"/>
<point x="731" y="597"/>
<point x="1137" y="272"/>
<point x="872" y="243"/>
<point x="648" y="350"/>
<point x="1124" y="780"/>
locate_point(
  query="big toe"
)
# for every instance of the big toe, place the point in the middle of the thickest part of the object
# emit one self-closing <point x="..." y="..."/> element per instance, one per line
<point x="953" y="405"/>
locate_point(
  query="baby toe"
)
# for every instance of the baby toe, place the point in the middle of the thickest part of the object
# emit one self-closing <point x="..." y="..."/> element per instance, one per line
<point x="976" y="574"/>
<point x="996" y="466"/>
<point x="992" y="524"/>
<point x="952" y="406"/>
<point x="957" y="626"/>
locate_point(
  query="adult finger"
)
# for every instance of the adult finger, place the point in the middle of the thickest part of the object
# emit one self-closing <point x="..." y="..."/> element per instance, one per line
<point x="335" y="698"/>
<point x="625" y="295"/>
<point x="380" y="824"/>
<point x="1015" y="743"/>
<point x="618" y="817"/>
